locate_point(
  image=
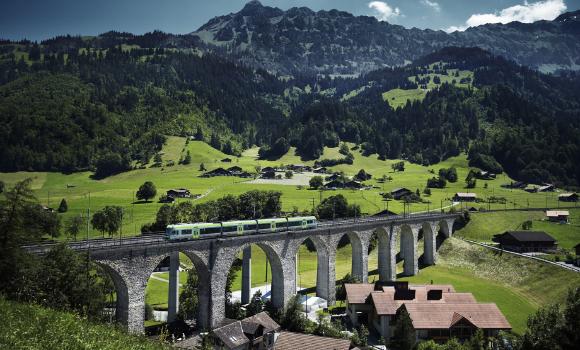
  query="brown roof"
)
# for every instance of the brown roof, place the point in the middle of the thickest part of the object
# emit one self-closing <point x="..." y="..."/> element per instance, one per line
<point x="358" y="293"/>
<point x="299" y="341"/>
<point x="459" y="298"/>
<point x="442" y="315"/>
<point x="231" y="335"/>
<point x="265" y="320"/>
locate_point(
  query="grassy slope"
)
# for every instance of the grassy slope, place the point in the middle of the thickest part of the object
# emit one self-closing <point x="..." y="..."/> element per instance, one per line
<point x="483" y="226"/>
<point x="27" y="326"/>
<point x="119" y="190"/>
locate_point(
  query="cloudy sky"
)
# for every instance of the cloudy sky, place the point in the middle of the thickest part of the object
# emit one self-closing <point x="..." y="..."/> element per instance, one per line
<point x="40" y="19"/>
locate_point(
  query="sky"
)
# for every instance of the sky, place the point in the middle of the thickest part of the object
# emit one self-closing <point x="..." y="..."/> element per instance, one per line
<point x="41" y="19"/>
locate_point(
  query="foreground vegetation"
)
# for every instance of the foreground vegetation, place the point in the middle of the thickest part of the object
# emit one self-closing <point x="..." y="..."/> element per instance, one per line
<point x="28" y="326"/>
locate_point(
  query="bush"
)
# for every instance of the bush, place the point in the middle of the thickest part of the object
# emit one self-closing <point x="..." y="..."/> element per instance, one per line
<point x="316" y="182"/>
<point x="436" y="182"/>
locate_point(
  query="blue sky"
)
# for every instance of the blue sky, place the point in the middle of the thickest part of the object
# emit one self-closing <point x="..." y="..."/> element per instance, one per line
<point x="40" y="19"/>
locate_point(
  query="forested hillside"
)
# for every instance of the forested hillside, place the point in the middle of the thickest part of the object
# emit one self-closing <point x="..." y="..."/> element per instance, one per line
<point x="70" y="104"/>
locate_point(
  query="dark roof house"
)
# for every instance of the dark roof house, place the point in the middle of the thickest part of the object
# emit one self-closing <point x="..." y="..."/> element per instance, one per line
<point x="399" y="193"/>
<point x="255" y="332"/>
<point x="179" y="193"/>
<point x="568" y="197"/>
<point x="526" y="241"/>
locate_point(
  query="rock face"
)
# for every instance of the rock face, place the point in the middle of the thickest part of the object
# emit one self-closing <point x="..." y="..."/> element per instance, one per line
<point x="336" y="42"/>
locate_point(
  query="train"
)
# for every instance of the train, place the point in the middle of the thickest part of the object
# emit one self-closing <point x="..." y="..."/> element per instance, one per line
<point x="178" y="232"/>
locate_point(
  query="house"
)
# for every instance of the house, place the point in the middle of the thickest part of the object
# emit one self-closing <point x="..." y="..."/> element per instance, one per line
<point x="353" y="184"/>
<point x="217" y="172"/>
<point x="547" y="188"/>
<point x="268" y="175"/>
<point x="179" y="193"/>
<point x="436" y="311"/>
<point x="267" y="169"/>
<point x="399" y="193"/>
<point x="235" y="169"/>
<point x="256" y="332"/>
<point x="334" y="184"/>
<point x="226" y="160"/>
<point x="301" y="341"/>
<point x="333" y="177"/>
<point x="568" y="197"/>
<point x="299" y="167"/>
<point x="517" y="184"/>
<point x="485" y="175"/>
<point x="319" y="170"/>
<point x="560" y="216"/>
<point x="166" y="199"/>
<point x="532" y="188"/>
<point x="526" y="241"/>
<point x="465" y="197"/>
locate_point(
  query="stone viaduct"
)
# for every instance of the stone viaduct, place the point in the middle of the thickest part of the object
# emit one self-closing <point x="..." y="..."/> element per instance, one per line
<point x="130" y="266"/>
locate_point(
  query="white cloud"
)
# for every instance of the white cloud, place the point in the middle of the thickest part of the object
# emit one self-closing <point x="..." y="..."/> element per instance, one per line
<point x="432" y="4"/>
<point x="526" y="13"/>
<point x="383" y="11"/>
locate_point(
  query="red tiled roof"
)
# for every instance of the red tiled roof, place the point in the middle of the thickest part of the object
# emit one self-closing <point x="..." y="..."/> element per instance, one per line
<point x="442" y="315"/>
<point x="358" y="293"/>
<point x="299" y="341"/>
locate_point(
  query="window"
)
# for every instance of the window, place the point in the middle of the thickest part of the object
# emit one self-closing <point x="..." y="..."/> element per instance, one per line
<point x="210" y="230"/>
<point x="264" y="226"/>
<point x="250" y="227"/>
<point x="294" y="223"/>
<point x="186" y="232"/>
<point x="230" y="228"/>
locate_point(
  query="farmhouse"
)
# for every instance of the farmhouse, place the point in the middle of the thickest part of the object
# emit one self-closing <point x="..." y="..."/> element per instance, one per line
<point x="485" y="175"/>
<point x="526" y="241"/>
<point x="464" y="197"/>
<point x="255" y="332"/>
<point x="568" y="197"/>
<point x="179" y="193"/>
<point x="546" y="188"/>
<point x="558" y="215"/>
<point x="217" y="172"/>
<point x="268" y="175"/>
<point x="436" y="311"/>
<point x="334" y="184"/>
<point x="399" y="193"/>
<point x="333" y="177"/>
<point x="320" y="170"/>
<point x="267" y="169"/>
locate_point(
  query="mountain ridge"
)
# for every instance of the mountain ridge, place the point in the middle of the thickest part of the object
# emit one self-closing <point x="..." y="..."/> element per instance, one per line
<point x="337" y="42"/>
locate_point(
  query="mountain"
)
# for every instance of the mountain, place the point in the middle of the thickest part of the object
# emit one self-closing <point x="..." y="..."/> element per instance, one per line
<point x="300" y="40"/>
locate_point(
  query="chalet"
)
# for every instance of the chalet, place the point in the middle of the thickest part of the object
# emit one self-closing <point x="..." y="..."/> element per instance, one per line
<point x="465" y="197"/>
<point x="436" y="311"/>
<point x="485" y="175"/>
<point x="568" y="197"/>
<point x="334" y="184"/>
<point x="532" y="188"/>
<point x="517" y="184"/>
<point x="353" y="184"/>
<point x="235" y="169"/>
<point x="333" y="177"/>
<point x="319" y="170"/>
<point x="268" y="175"/>
<point x="255" y="332"/>
<point x="526" y="241"/>
<point x="226" y="160"/>
<point x="558" y="215"/>
<point x="547" y="188"/>
<point x="299" y="167"/>
<point x="179" y="193"/>
<point x="166" y="199"/>
<point x="399" y="193"/>
<point x="267" y="169"/>
<point x="217" y="172"/>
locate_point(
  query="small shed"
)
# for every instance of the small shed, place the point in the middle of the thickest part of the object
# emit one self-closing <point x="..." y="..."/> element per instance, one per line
<point x="179" y="193"/>
<point x="526" y="241"/>
<point x="401" y="192"/>
<point x="465" y="197"/>
<point x="568" y="197"/>
<point x="558" y="215"/>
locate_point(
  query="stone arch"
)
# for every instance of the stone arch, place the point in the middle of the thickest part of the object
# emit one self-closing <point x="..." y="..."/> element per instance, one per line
<point x="122" y="292"/>
<point x="408" y="237"/>
<point x="203" y="289"/>
<point x="446" y="227"/>
<point x="325" y="266"/>
<point x="359" y="241"/>
<point x="384" y="254"/>
<point x="282" y="277"/>
<point x="429" y="243"/>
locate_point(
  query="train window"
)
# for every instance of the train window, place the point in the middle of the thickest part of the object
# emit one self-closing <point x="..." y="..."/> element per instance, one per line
<point x="310" y="222"/>
<point x="186" y="232"/>
<point x="230" y="228"/>
<point x="263" y="226"/>
<point x="210" y="230"/>
<point x="250" y="227"/>
<point x="294" y="223"/>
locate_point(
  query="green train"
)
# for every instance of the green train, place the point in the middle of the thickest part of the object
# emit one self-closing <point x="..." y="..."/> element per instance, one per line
<point x="242" y="227"/>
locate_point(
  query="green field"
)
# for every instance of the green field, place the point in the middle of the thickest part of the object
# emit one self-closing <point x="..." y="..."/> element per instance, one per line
<point x="82" y="192"/>
<point x="483" y="226"/>
<point x="398" y="97"/>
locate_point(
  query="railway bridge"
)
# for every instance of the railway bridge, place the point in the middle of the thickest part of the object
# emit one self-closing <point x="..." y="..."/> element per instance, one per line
<point x="130" y="262"/>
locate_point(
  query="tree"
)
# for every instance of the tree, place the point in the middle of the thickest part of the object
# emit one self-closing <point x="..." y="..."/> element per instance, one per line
<point x="293" y="319"/>
<point x="111" y="164"/>
<point x="74" y="226"/>
<point x="256" y="305"/>
<point x="188" y="298"/>
<point x="288" y="174"/>
<point x="527" y="225"/>
<point x="316" y="182"/>
<point x="2" y="186"/>
<point x="199" y="134"/>
<point x="147" y="191"/>
<point x="202" y="167"/>
<point x="343" y="149"/>
<point x="187" y="159"/>
<point x="63" y="207"/>
<point x="404" y="333"/>
<point x="427" y="191"/>
<point x="399" y="166"/>
<point x="108" y="220"/>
